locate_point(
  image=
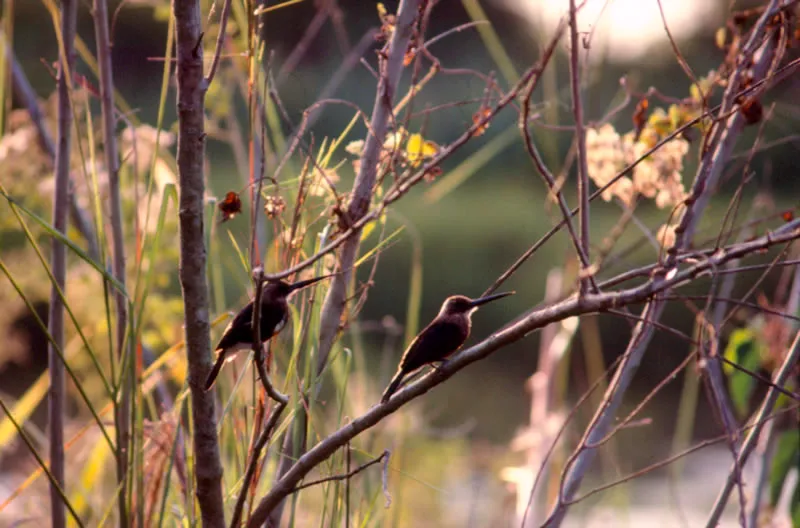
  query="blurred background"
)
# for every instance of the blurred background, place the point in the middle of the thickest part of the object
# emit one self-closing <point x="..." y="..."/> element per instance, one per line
<point x="465" y="229"/>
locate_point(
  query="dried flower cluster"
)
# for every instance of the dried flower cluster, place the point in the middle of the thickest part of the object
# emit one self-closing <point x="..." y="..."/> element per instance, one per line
<point x="274" y="206"/>
<point x="657" y="177"/>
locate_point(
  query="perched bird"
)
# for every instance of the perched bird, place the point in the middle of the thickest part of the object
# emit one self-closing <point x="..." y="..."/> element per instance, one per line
<point x="443" y="336"/>
<point x="274" y="313"/>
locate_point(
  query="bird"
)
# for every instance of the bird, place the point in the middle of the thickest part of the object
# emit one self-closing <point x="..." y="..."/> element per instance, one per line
<point x="238" y="335"/>
<point x="443" y="336"/>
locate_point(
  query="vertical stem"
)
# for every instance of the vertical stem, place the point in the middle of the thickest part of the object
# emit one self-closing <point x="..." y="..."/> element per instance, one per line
<point x="779" y="380"/>
<point x="580" y="136"/>
<point x="122" y="412"/>
<point x="191" y="149"/>
<point x="390" y="70"/>
<point x="58" y="264"/>
<point x="706" y="178"/>
<point x="24" y="95"/>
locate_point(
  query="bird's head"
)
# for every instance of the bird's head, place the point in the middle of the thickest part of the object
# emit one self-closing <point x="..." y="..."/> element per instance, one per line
<point x="460" y="304"/>
<point x="282" y="289"/>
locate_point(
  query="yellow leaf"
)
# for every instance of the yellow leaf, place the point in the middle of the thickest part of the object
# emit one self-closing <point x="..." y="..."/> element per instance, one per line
<point x="675" y="116"/>
<point x="367" y="230"/>
<point x="721" y="37"/>
<point x="418" y="149"/>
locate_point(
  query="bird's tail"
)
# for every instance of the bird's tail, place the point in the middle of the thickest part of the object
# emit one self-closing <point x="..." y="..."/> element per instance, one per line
<point x="393" y="385"/>
<point x="212" y="376"/>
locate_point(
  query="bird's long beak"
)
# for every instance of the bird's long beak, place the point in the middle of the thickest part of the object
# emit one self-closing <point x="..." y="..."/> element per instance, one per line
<point x="489" y="298"/>
<point x="308" y="282"/>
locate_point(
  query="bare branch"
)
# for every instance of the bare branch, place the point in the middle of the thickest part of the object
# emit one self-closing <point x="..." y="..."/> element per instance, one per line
<point x="346" y="476"/>
<point x="334" y="303"/>
<point x="255" y="457"/>
<point x="58" y="264"/>
<point x="663" y="463"/>
<point x="128" y="378"/>
<point x="191" y="146"/>
<point x="580" y="137"/>
<point x="529" y="322"/>
<point x="789" y="363"/>
<point x="719" y="150"/>
<point x="223" y="24"/>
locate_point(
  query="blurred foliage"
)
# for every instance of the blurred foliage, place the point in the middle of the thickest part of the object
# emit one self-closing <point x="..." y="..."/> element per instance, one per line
<point x="439" y="469"/>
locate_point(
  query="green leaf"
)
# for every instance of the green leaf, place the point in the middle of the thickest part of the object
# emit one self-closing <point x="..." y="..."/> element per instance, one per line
<point x="744" y="350"/>
<point x="53" y="232"/>
<point x="787" y="456"/>
<point x="372" y="251"/>
<point x="794" y="506"/>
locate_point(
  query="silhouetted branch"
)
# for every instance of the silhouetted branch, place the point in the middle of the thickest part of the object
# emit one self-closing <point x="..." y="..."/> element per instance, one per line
<point x="346" y="476"/>
<point x="717" y="153"/>
<point x="523" y="326"/>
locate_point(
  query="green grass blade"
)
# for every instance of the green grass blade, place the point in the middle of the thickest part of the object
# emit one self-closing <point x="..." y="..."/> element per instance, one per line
<point x="16" y="206"/>
<point x="366" y="256"/>
<point x="238" y="250"/>
<point x="143" y="285"/>
<point x="491" y="41"/>
<point x="58" y="350"/>
<point x="67" y="307"/>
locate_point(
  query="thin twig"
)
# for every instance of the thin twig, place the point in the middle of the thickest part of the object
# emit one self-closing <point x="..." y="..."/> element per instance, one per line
<point x="402" y="187"/>
<point x="529" y="322"/>
<point x="357" y="210"/>
<point x="258" y="347"/>
<point x="677" y="132"/>
<point x="580" y="136"/>
<point x="125" y="353"/>
<point x="26" y="96"/>
<point x="673" y="458"/>
<point x="789" y="363"/>
<point x="58" y="264"/>
<point x="548" y="177"/>
<point x="223" y="24"/>
<point x="711" y="166"/>
<point x="345" y="476"/>
<point x="255" y="456"/>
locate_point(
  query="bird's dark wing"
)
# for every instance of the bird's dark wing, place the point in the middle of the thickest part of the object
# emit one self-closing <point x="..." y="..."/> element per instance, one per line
<point x="437" y="341"/>
<point x="273" y="319"/>
<point x="239" y="330"/>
